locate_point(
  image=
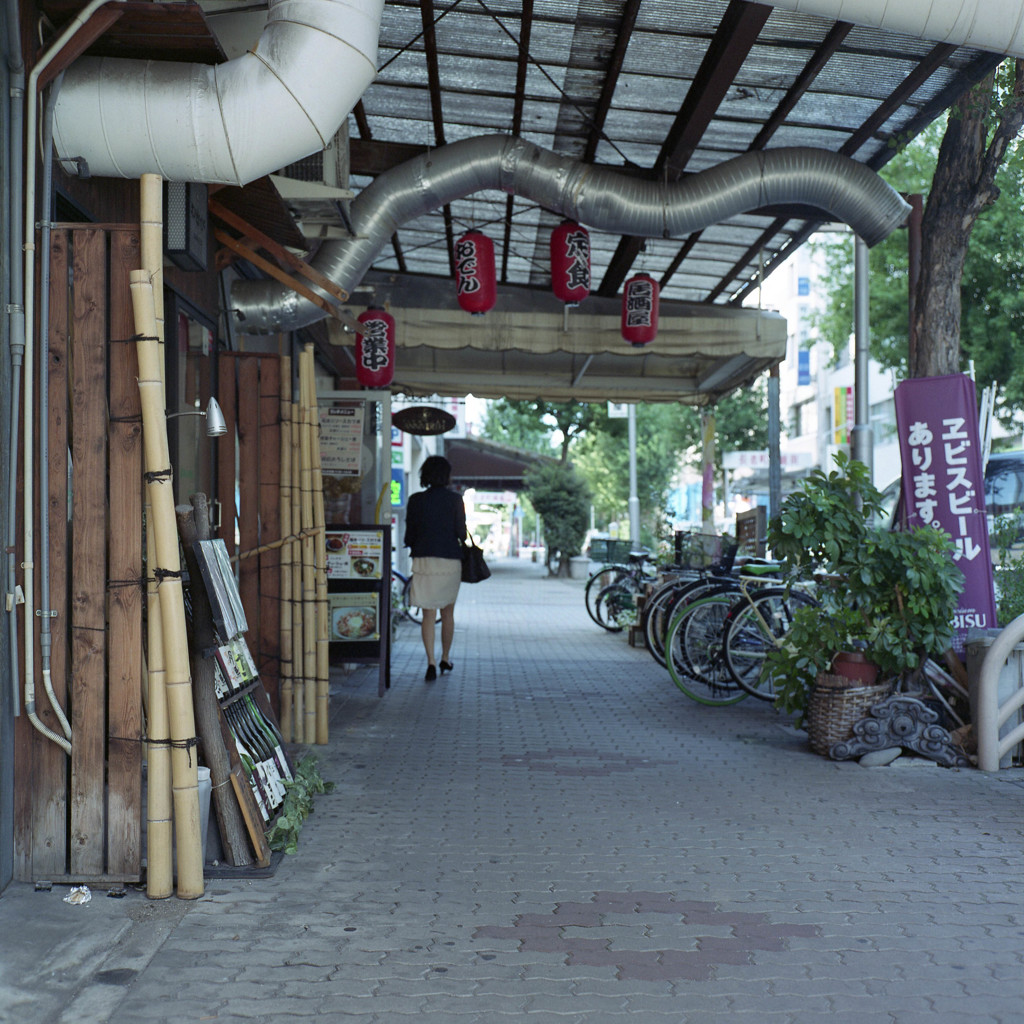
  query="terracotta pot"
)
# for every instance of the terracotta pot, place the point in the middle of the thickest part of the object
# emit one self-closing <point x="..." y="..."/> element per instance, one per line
<point x="855" y="665"/>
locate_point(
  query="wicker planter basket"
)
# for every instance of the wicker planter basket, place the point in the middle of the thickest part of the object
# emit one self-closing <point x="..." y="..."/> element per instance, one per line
<point x="835" y="705"/>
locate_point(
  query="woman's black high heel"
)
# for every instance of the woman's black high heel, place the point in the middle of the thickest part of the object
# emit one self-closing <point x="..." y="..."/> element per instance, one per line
<point x="446" y="666"/>
<point x="431" y="674"/>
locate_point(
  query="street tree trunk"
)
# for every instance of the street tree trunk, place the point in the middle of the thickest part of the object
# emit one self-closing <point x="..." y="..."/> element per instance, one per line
<point x="973" y="147"/>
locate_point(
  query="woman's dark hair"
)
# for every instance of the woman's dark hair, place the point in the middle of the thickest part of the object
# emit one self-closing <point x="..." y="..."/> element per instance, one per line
<point x="435" y="472"/>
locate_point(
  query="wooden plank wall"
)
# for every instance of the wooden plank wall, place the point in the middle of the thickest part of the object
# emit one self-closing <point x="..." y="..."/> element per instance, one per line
<point x="249" y="392"/>
<point x="125" y="600"/>
<point x="81" y="816"/>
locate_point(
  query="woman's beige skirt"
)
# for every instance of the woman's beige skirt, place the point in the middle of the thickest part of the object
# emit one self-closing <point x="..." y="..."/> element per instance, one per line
<point x="435" y="582"/>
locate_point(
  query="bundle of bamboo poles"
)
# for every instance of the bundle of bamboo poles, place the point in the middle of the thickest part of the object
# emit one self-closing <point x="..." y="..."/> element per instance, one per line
<point x="304" y="618"/>
<point x="173" y="783"/>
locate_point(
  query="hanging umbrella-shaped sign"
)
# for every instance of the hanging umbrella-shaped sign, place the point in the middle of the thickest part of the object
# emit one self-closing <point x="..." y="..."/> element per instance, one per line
<point x="570" y="262"/>
<point x="375" y="349"/>
<point x="640" y="310"/>
<point x="474" y="273"/>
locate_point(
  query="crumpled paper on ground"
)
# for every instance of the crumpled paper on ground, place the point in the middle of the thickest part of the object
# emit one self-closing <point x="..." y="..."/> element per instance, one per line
<point x="80" y="894"/>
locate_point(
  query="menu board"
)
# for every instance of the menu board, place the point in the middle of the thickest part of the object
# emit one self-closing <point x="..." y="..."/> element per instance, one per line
<point x="341" y="439"/>
<point x="355" y="554"/>
<point x="221" y="588"/>
<point x="354" y="616"/>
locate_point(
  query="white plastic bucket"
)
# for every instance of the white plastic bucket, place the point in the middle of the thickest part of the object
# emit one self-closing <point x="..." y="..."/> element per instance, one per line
<point x="205" y="789"/>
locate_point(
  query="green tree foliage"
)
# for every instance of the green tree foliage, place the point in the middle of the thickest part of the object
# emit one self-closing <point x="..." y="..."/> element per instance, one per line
<point x="668" y="436"/>
<point x="532" y="425"/>
<point x="741" y="422"/>
<point x="602" y="457"/>
<point x="562" y="500"/>
<point x="991" y="323"/>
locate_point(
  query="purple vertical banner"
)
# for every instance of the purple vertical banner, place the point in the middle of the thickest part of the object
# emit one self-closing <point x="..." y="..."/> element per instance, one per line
<point x="943" y="484"/>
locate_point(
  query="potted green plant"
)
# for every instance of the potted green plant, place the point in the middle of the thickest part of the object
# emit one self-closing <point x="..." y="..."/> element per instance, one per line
<point x="887" y="595"/>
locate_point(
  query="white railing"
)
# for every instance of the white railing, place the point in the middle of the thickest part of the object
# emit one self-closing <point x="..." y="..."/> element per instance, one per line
<point x="990" y="715"/>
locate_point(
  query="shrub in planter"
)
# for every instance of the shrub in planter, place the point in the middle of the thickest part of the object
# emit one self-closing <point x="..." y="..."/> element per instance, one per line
<point x="889" y="594"/>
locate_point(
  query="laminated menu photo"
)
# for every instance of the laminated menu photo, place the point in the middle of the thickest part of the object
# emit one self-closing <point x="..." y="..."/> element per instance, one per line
<point x="354" y="616"/>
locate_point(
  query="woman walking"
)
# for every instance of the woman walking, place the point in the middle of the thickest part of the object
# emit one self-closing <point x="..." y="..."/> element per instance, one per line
<point x="435" y="527"/>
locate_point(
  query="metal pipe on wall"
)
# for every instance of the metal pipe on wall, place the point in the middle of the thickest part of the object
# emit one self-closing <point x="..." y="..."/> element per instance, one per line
<point x="233" y="122"/>
<point x="8" y="664"/>
<point x="15" y="320"/>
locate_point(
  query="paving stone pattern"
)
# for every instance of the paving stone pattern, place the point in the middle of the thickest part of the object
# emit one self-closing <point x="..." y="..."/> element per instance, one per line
<point x="554" y="833"/>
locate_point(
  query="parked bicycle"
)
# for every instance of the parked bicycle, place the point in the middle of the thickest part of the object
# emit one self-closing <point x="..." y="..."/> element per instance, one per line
<point x="679" y="587"/>
<point x="716" y="643"/>
<point x="400" y="606"/>
<point x="610" y="592"/>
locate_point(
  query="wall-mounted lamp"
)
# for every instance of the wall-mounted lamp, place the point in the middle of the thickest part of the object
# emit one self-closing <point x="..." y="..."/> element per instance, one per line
<point x="215" y="425"/>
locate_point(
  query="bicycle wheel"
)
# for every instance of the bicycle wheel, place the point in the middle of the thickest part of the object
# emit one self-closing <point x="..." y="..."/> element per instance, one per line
<point x="604" y="577"/>
<point x="756" y="624"/>
<point x="661" y="607"/>
<point x="399" y="595"/>
<point x="703" y="625"/>
<point x="412" y="612"/>
<point x="614" y="604"/>
<point x="704" y="681"/>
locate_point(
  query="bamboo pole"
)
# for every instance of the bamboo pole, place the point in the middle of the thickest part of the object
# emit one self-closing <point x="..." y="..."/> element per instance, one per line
<point x="298" y="665"/>
<point x="159" y="813"/>
<point x="167" y="566"/>
<point x="323" y="671"/>
<point x="308" y="554"/>
<point x="287" y="548"/>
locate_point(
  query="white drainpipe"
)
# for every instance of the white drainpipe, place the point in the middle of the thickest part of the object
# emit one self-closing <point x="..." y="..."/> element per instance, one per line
<point x="230" y="123"/>
<point x="994" y="25"/>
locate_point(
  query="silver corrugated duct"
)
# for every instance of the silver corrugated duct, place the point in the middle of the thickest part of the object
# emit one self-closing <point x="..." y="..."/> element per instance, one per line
<point x="597" y="197"/>
<point x="994" y="25"/>
<point x="229" y="123"/>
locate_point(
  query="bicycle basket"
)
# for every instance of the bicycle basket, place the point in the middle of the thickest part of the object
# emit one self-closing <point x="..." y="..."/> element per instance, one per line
<point x="698" y="550"/>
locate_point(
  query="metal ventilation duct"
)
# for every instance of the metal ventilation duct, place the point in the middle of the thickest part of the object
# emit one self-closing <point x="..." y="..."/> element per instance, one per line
<point x="594" y="196"/>
<point x="994" y="25"/>
<point x="230" y="123"/>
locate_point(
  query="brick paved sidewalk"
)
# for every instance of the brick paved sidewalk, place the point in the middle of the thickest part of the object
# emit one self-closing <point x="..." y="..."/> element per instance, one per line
<point x="553" y="832"/>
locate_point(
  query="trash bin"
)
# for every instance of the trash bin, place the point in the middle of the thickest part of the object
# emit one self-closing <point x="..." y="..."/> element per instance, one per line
<point x="579" y="567"/>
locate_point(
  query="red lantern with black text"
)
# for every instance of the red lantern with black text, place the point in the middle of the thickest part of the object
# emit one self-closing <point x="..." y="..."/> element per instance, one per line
<point x="474" y="272"/>
<point x="570" y="262"/>
<point x="640" y="310"/>
<point x="375" y="348"/>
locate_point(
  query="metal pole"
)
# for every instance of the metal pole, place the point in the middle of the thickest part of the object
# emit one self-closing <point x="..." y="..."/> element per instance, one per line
<point x="634" y="500"/>
<point x="774" y="444"/>
<point x="914" y="275"/>
<point x="862" y="440"/>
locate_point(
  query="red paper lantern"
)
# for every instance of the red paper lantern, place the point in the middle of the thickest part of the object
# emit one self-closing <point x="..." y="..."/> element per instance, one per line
<point x="474" y="272"/>
<point x="640" y="310"/>
<point x="375" y="349"/>
<point x="570" y="262"/>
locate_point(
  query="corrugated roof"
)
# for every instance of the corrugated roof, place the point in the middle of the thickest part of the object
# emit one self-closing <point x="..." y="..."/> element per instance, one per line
<point x="570" y="57"/>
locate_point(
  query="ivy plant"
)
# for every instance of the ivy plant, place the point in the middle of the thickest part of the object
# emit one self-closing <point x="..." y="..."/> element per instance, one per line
<point x="297" y="805"/>
<point x="1008" y="572"/>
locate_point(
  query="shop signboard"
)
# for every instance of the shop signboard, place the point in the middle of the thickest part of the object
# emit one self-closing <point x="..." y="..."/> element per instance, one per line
<point x="943" y="483"/>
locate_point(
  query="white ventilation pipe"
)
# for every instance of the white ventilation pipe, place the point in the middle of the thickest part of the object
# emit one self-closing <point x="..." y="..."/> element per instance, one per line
<point x="595" y="196"/>
<point x="230" y="123"/>
<point x="995" y="25"/>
